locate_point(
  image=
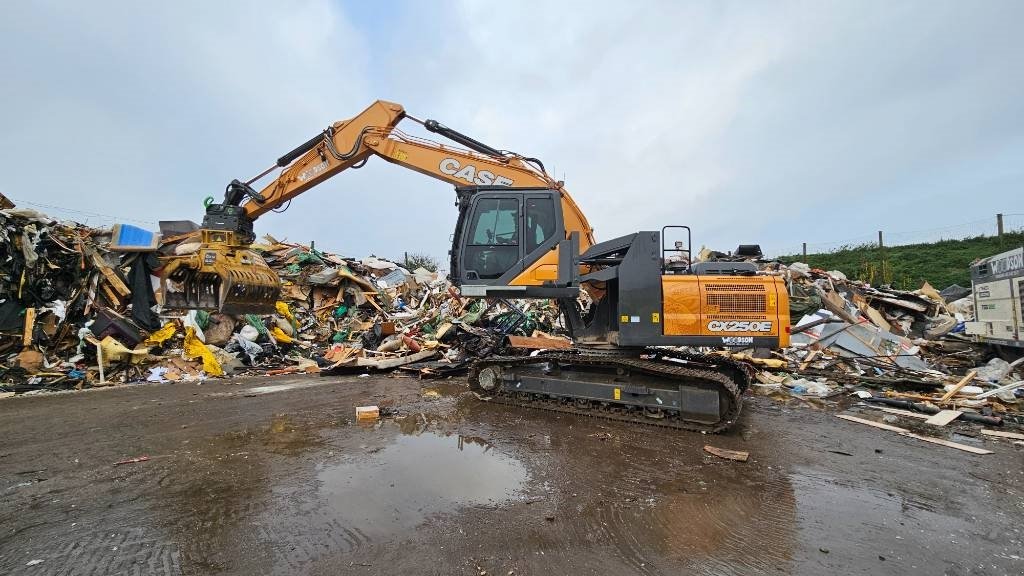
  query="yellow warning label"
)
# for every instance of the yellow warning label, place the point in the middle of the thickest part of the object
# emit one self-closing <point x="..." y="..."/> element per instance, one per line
<point x="655" y="317"/>
<point x="624" y="319"/>
<point x="400" y="155"/>
<point x="771" y="300"/>
<point x="618" y="394"/>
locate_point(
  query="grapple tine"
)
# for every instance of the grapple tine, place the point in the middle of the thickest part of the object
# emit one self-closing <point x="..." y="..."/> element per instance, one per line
<point x="221" y="279"/>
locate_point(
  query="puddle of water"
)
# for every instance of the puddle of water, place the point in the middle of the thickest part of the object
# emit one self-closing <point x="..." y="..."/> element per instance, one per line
<point x="398" y="487"/>
<point x="444" y="388"/>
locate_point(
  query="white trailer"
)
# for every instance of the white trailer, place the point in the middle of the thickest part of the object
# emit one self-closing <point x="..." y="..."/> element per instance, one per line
<point x="998" y="283"/>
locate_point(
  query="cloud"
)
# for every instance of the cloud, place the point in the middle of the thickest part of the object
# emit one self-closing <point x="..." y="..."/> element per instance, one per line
<point x="773" y="123"/>
<point x="145" y="110"/>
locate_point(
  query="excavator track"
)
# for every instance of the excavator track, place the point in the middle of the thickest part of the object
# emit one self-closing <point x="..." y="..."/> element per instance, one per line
<point x="662" y="374"/>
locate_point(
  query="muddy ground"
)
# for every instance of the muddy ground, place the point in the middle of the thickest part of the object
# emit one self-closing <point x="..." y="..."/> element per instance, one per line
<point x="272" y="476"/>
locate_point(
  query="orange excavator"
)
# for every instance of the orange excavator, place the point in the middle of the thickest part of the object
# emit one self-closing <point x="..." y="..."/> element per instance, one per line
<point x="631" y="303"/>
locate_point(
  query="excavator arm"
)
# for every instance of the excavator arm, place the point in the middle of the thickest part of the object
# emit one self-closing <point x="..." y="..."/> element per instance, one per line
<point x="224" y="274"/>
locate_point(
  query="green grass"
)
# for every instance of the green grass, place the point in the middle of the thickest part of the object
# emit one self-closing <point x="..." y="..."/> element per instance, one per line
<point x="940" y="263"/>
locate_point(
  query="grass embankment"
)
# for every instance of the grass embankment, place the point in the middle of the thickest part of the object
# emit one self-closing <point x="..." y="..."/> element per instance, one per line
<point x="940" y="263"/>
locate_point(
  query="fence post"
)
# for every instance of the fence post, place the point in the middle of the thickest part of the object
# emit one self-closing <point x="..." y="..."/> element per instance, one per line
<point x="805" y="251"/>
<point x="880" y="244"/>
<point x="999" y="225"/>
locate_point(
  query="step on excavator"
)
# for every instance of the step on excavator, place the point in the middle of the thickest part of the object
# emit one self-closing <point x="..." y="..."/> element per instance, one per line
<point x="630" y="304"/>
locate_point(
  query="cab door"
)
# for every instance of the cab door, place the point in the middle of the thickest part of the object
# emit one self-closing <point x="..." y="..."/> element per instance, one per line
<point x="501" y="231"/>
<point x="492" y="246"/>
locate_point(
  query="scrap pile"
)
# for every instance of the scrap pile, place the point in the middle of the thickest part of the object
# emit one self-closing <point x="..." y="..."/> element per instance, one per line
<point x="373" y="313"/>
<point x="80" y="309"/>
<point x="890" y="347"/>
<point x="57" y="278"/>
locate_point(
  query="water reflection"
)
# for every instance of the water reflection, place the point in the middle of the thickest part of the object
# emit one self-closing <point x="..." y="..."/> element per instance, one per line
<point x="417" y="476"/>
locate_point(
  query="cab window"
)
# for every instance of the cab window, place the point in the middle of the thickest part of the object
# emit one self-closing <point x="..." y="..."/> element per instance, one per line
<point x="496" y="224"/>
<point x="540" y="222"/>
<point x="492" y="248"/>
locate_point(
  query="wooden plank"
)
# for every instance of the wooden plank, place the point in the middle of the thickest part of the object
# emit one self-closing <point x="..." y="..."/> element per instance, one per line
<point x="836" y="304"/>
<point x="948" y="444"/>
<point x="902" y="412"/>
<point x="110" y="275"/>
<point x="736" y="455"/>
<point x="395" y="362"/>
<point x="1001" y="434"/>
<point x="112" y="297"/>
<point x="876" y="317"/>
<point x="30" y="324"/>
<point x="909" y="434"/>
<point x="915" y="306"/>
<point x="810" y="358"/>
<point x="999" y="390"/>
<point x="768" y="378"/>
<point x="912" y="396"/>
<point x="943" y="417"/>
<point x="370" y="299"/>
<point x="533" y="343"/>
<point x="970" y="376"/>
<point x="872" y="423"/>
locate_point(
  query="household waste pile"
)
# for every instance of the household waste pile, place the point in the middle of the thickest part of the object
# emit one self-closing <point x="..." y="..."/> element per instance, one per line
<point x="898" y="348"/>
<point x="92" y="317"/>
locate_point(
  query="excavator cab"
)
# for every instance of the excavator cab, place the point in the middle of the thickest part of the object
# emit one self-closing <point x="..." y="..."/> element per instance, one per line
<point x="507" y="240"/>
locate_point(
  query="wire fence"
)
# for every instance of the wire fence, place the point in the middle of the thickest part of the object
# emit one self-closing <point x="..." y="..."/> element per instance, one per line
<point x="91" y="219"/>
<point x="997" y="224"/>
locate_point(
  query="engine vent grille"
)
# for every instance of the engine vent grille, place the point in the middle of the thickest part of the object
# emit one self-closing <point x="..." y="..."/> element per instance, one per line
<point x="746" y="303"/>
<point x="734" y="287"/>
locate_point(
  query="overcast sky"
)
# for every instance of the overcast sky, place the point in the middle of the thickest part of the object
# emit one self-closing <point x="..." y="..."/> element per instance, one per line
<point x="752" y="122"/>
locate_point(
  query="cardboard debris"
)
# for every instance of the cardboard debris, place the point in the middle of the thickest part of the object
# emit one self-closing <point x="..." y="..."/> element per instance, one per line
<point x="367" y="413"/>
<point x="943" y="417"/>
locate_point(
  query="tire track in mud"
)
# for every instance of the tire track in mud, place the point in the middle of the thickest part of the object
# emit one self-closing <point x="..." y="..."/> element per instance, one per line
<point x="299" y="529"/>
<point x="102" y="552"/>
<point x="89" y="521"/>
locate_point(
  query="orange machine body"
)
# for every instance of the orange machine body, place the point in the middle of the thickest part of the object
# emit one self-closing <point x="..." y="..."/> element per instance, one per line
<point x="726" y="306"/>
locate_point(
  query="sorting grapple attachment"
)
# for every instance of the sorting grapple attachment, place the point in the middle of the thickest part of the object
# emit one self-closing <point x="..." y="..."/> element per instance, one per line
<point x="220" y="278"/>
